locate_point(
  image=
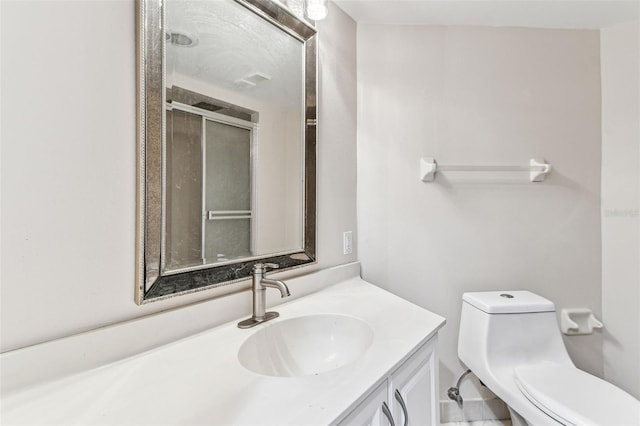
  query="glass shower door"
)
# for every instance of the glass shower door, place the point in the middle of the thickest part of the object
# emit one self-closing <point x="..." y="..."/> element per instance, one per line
<point x="227" y="192"/>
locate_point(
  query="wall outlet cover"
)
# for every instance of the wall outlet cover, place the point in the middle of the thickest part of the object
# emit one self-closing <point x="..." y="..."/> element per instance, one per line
<point x="347" y="242"/>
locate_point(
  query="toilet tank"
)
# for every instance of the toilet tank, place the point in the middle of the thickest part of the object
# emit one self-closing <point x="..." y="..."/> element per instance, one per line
<point x="508" y="328"/>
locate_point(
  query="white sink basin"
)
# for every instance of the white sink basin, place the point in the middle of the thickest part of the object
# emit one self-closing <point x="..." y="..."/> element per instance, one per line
<point x="305" y="346"/>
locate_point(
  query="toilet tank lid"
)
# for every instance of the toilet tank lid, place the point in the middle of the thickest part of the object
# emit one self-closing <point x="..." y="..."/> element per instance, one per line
<point x="508" y="302"/>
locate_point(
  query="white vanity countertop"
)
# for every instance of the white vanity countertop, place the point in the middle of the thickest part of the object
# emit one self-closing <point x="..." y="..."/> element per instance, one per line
<point x="199" y="380"/>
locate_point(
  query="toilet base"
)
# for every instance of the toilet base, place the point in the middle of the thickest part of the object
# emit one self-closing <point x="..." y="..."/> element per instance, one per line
<point x="516" y="419"/>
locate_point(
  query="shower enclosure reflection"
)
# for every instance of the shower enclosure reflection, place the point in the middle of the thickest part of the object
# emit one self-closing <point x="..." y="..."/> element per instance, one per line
<point x="213" y="211"/>
<point x="209" y="194"/>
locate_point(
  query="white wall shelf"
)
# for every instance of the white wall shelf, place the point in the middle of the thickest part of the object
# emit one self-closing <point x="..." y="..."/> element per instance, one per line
<point x="538" y="168"/>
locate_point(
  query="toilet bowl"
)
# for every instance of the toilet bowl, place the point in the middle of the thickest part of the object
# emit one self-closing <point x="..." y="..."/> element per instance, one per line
<point x="512" y="343"/>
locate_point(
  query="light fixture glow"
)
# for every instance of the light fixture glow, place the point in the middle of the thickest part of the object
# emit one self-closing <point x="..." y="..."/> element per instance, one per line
<point x="296" y="6"/>
<point x="181" y="38"/>
<point x="317" y="9"/>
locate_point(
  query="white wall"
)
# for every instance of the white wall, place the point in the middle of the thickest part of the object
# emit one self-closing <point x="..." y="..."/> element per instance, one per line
<point x="620" y="52"/>
<point x="337" y="120"/>
<point x="471" y="95"/>
<point x="68" y="166"/>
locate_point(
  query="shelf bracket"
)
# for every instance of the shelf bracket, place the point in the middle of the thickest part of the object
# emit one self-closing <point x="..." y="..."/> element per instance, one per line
<point x="539" y="169"/>
<point x="428" y="167"/>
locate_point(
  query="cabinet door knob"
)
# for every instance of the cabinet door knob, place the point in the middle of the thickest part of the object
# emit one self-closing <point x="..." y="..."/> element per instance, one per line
<point x="387" y="413"/>
<point x="404" y="407"/>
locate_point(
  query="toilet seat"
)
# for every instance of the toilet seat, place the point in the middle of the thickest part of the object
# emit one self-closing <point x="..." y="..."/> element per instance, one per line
<point x="573" y="397"/>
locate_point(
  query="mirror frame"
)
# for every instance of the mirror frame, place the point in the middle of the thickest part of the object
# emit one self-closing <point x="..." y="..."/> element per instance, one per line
<point x="151" y="283"/>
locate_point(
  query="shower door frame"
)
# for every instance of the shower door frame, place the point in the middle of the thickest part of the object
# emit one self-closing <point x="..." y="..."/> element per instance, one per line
<point x="253" y="154"/>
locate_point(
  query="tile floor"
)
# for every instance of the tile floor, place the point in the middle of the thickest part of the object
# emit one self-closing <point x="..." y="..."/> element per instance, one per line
<point x="480" y="423"/>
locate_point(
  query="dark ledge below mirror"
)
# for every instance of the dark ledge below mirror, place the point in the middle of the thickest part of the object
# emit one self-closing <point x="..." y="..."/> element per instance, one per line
<point x="188" y="281"/>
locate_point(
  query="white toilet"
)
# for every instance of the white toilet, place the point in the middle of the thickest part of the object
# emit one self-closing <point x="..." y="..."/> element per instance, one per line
<point x="512" y="343"/>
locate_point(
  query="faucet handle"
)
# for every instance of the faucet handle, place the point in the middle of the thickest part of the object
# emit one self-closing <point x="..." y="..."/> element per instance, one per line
<point x="263" y="267"/>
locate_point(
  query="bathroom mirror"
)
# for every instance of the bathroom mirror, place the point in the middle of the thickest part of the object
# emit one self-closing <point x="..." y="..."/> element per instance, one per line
<point x="226" y="143"/>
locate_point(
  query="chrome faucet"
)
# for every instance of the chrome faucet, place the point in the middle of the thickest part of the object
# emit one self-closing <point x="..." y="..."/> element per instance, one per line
<point x="260" y="284"/>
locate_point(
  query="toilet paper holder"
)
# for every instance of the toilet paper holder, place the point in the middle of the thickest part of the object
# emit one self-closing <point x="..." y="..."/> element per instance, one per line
<point x="578" y="321"/>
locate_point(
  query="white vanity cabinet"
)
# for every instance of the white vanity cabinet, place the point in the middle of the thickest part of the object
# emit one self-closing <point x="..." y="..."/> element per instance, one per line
<point x="410" y="394"/>
<point x="370" y="411"/>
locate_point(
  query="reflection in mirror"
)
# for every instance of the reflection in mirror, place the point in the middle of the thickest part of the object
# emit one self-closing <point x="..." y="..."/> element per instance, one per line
<point x="237" y="182"/>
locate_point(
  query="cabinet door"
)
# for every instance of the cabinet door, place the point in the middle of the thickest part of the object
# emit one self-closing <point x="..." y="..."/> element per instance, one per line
<point x="370" y="412"/>
<point x="413" y="389"/>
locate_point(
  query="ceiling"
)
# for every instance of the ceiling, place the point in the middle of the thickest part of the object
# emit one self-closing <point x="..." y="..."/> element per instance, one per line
<point x="570" y="14"/>
<point x="236" y="53"/>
